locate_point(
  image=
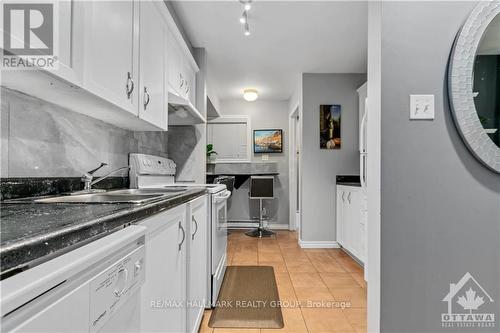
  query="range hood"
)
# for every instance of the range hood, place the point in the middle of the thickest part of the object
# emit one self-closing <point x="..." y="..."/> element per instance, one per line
<point x="182" y="112"/>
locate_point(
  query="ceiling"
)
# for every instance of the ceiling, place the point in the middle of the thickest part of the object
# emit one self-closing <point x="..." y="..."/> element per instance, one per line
<point x="287" y="38"/>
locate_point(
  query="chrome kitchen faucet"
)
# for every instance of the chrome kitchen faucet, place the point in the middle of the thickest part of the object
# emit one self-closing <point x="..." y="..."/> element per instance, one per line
<point x="88" y="178"/>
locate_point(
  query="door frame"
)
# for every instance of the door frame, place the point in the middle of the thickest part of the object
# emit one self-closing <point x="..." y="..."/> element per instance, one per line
<point x="373" y="172"/>
<point x="295" y="127"/>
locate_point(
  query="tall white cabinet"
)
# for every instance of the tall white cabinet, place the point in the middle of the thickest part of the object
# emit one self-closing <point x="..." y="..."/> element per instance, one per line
<point x="351" y="227"/>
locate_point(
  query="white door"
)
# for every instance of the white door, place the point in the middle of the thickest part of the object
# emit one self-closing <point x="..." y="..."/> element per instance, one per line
<point x="51" y="320"/>
<point x="174" y="63"/>
<point x="341" y="223"/>
<point x="164" y="292"/>
<point x="110" y="52"/>
<point x="70" y="41"/>
<point x="355" y="222"/>
<point x="153" y="91"/>
<point x="197" y="268"/>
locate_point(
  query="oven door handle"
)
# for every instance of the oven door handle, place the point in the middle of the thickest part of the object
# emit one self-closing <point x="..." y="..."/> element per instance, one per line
<point x="221" y="198"/>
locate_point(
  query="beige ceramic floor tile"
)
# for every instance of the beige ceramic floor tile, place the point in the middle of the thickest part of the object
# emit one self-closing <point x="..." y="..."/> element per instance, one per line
<point x="236" y="330"/>
<point x="360" y="279"/>
<point x="349" y="264"/>
<point x="327" y="266"/>
<point x="337" y="253"/>
<point x="294" y="323"/>
<point x="356" y="296"/>
<point x="313" y="294"/>
<point x="306" y="280"/>
<point x="300" y="266"/>
<point x="326" y="320"/>
<point x="338" y="280"/>
<point x="357" y="319"/>
<point x="204" y="323"/>
<point x="279" y="266"/>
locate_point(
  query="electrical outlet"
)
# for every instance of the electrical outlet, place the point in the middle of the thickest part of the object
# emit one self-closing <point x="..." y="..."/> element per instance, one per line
<point x="422" y="107"/>
<point x="265" y="157"/>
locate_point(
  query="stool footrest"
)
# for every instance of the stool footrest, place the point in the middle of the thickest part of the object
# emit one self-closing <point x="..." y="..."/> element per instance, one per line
<point x="259" y="232"/>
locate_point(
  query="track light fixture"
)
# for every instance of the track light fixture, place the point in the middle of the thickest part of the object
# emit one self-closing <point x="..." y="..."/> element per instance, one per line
<point x="247" y="5"/>
<point x="244" y="18"/>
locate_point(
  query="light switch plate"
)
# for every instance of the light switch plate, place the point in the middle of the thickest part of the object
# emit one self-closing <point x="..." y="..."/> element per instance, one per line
<point x="265" y="157"/>
<point x="422" y="107"/>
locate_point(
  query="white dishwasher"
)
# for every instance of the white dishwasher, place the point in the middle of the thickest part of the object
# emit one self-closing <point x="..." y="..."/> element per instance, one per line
<point x="95" y="288"/>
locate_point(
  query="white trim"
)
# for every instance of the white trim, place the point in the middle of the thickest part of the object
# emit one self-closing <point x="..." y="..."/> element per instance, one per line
<point x="251" y="225"/>
<point x="373" y="168"/>
<point x="238" y="120"/>
<point x="319" y="244"/>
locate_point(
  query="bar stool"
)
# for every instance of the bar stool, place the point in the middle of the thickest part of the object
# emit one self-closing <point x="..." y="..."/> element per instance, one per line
<point x="261" y="188"/>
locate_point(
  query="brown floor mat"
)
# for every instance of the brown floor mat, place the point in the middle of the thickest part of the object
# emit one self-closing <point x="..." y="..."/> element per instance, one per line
<point x="248" y="299"/>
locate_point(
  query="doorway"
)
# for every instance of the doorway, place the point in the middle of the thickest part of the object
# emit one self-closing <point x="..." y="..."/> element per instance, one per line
<point x="294" y="170"/>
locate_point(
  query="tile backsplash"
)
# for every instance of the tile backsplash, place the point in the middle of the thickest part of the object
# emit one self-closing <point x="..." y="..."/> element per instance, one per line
<point x="40" y="139"/>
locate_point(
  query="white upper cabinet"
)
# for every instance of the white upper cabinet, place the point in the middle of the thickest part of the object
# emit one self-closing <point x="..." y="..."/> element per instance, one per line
<point x="118" y="62"/>
<point x="153" y="91"/>
<point x="70" y="41"/>
<point x="110" y="52"/>
<point x="181" y="69"/>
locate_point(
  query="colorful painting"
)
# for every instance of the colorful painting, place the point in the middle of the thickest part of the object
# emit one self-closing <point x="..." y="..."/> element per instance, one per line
<point x="268" y="141"/>
<point x="329" y="126"/>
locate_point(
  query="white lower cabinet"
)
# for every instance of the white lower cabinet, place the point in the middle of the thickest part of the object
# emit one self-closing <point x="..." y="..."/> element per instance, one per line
<point x="164" y="292"/>
<point x="197" y="262"/>
<point x="351" y="224"/>
<point x="174" y="294"/>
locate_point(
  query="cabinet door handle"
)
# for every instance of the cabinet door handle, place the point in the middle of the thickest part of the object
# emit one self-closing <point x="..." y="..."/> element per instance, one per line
<point x="343" y="194"/>
<point x="183" y="235"/>
<point x="130" y="85"/>
<point x="147" y="98"/>
<point x="349" y="198"/>
<point x="195" y="230"/>
<point x="181" y="80"/>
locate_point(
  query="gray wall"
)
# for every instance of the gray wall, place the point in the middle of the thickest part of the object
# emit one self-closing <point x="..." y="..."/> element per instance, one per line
<point x="320" y="166"/>
<point x="440" y="207"/>
<point x="39" y="139"/>
<point x="187" y="144"/>
<point x="263" y="114"/>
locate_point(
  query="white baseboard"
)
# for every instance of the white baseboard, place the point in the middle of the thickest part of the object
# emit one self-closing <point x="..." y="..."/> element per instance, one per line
<point x="251" y="225"/>
<point x="276" y="226"/>
<point x="319" y="244"/>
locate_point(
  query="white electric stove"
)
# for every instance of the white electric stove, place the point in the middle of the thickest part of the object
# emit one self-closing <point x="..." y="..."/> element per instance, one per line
<point x="149" y="171"/>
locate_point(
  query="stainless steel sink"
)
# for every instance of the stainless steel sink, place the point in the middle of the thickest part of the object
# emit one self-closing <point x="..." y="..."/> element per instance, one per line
<point x="142" y="191"/>
<point x="102" y="198"/>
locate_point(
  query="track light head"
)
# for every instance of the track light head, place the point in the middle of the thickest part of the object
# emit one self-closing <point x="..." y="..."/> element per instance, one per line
<point x="244" y="18"/>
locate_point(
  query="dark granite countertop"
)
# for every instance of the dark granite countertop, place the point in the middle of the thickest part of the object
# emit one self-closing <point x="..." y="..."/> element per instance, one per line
<point x="32" y="233"/>
<point x="348" y="180"/>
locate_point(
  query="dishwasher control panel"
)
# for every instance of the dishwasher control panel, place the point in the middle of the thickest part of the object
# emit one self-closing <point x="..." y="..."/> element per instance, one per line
<point x="114" y="286"/>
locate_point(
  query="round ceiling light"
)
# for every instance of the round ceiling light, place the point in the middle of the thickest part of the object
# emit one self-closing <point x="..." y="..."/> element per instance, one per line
<point x="250" y="95"/>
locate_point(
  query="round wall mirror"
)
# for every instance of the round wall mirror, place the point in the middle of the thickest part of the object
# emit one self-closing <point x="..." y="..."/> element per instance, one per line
<point x="474" y="83"/>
